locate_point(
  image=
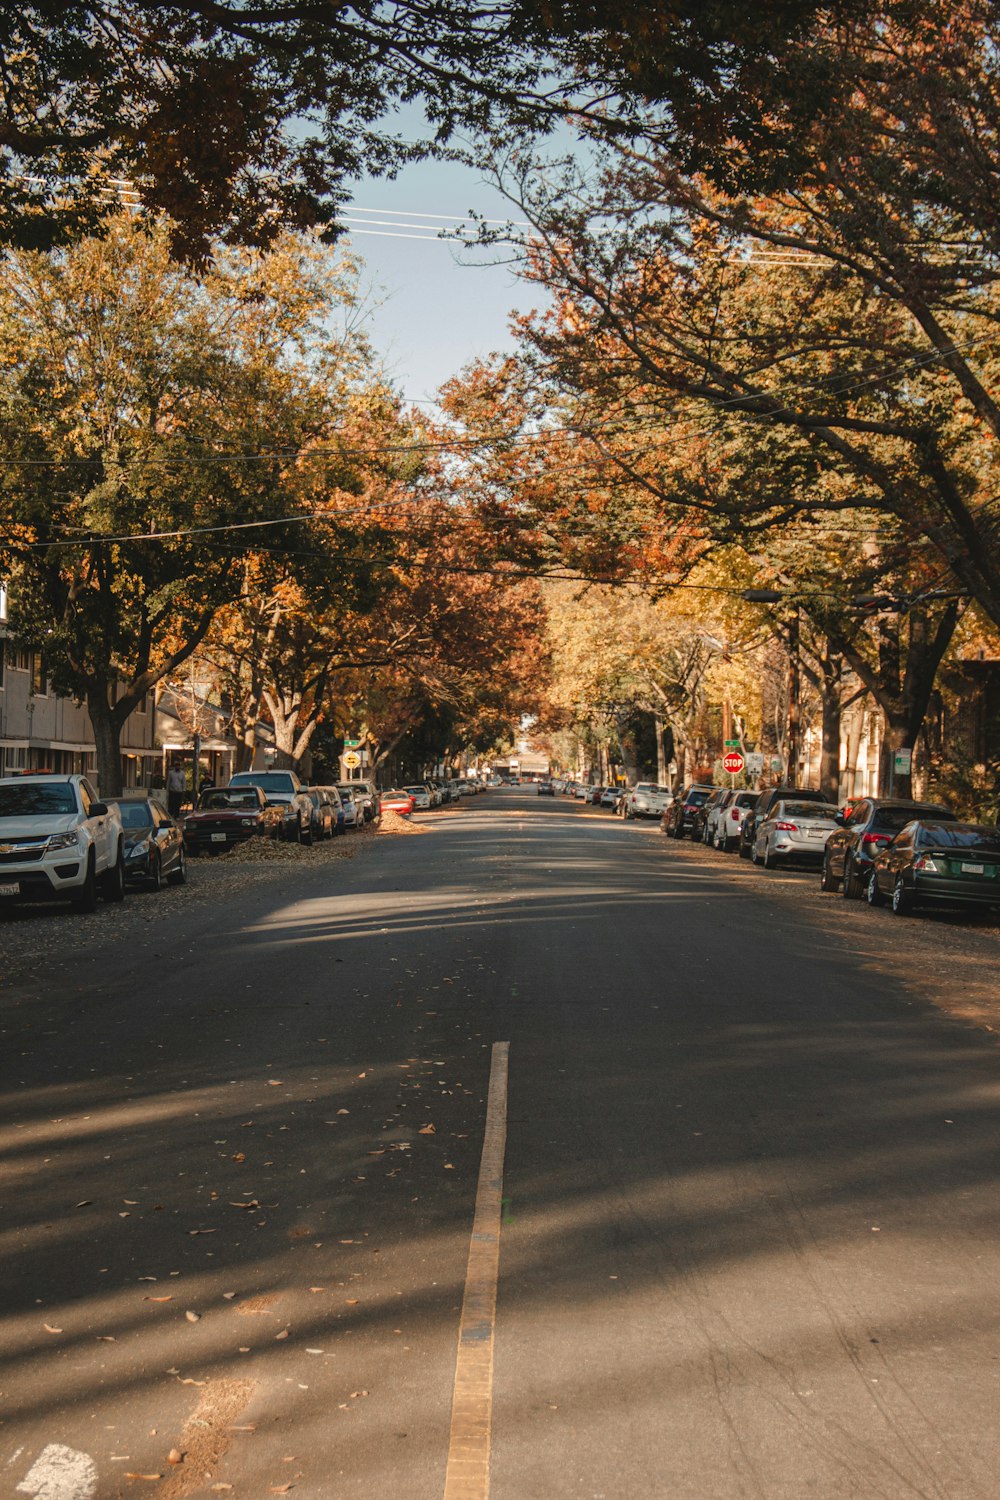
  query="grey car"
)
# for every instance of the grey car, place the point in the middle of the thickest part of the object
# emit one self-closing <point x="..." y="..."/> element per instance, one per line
<point x="793" y="830"/>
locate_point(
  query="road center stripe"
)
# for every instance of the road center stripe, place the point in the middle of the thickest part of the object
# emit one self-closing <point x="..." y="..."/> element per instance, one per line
<point x="468" y="1473"/>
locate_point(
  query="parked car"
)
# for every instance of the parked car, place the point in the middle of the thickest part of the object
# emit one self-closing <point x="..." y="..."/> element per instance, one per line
<point x="678" y="816"/>
<point x="59" y="841"/>
<point x="765" y="801"/>
<point x="705" y="813"/>
<point x="546" y="789"/>
<point x="421" y="797"/>
<point x="284" y="790"/>
<point x="154" y="843"/>
<point x="793" y="830"/>
<point x="935" y="863"/>
<point x="397" y="801"/>
<point x="873" y="823"/>
<point x="647" y="800"/>
<point x="337" y="805"/>
<point x="353" y="813"/>
<point x="729" y="819"/>
<point x="611" y="796"/>
<point x="368" y="797"/>
<point x="324" y="812"/>
<point x="227" y="815"/>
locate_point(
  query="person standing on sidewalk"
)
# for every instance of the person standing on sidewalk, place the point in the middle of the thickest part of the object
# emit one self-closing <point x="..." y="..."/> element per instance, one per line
<point x="176" y="787"/>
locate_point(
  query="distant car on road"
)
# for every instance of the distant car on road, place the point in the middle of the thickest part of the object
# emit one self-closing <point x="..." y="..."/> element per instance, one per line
<point x="229" y="815"/>
<point x="283" y="789"/>
<point x="679" y="815"/>
<point x="729" y="818"/>
<point x="647" y="800"/>
<point x="397" y="801"/>
<point x="936" y="863"/>
<point x="546" y="789"/>
<point x="611" y="796"/>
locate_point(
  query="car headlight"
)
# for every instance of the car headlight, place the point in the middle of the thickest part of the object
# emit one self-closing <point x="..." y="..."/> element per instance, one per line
<point x="64" y="840"/>
<point x="247" y="822"/>
<point x="135" y="851"/>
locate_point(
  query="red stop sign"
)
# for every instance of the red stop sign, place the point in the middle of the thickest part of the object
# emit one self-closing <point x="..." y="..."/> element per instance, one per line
<point x="733" y="762"/>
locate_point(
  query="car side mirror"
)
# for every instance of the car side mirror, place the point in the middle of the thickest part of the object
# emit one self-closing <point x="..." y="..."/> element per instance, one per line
<point x="839" y="819"/>
<point x="98" y="809"/>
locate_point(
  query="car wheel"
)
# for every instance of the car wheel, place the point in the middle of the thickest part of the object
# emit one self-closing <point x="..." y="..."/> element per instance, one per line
<point x="156" y="879"/>
<point x="828" y="880"/>
<point x="902" y="901"/>
<point x="744" y="849"/>
<point x="873" y="895"/>
<point x="86" y="897"/>
<point x="754" y="857"/>
<point x="853" y="884"/>
<point x="113" y="880"/>
<point x="180" y="875"/>
<point x="306" y="836"/>
<point x="768" y="860"/>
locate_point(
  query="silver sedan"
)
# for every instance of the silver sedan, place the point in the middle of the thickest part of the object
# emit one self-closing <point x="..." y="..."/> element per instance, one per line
<point x="793" y="830"/>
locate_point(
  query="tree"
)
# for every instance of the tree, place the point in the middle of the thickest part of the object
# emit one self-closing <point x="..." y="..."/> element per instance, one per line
<point x="149" y="424"/>
<point x="238" y="121"/>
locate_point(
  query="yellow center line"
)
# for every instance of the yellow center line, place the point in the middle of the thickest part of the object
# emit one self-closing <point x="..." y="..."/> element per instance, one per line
<point x="468" y="1473"/>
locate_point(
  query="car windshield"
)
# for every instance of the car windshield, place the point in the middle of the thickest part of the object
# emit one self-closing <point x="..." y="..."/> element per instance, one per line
<point x="807" y="810"/>
<point x="892" y="819"/>
<point x="961" y="836"/>
<point x="224" y="801"/>
<point x="34" y="801"/>
<point x="698" y="798"/>
<point x="746" y="799"/>
<point x="135" y="815"/>
<point x="271" y="781"/>
<point x="416" y="791"/>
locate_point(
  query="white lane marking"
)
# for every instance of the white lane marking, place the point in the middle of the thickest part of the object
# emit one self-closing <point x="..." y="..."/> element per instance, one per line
<point x="60" y="1473"/>
<point x="468" y="1472"/>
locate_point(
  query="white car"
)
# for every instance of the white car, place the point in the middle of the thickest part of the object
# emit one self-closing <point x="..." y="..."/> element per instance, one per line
<point x="59" y="842"/>
<point x="647" y="800"/>
<point x="421" y="797"/>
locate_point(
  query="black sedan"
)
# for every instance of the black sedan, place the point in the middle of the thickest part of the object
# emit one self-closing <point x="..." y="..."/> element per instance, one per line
<point x="938" y="864"/>
<point x="153" y="844"/>
<point x="871" y="825"/>
<point x="229" y="815"/>
<point x="678" y="818"/>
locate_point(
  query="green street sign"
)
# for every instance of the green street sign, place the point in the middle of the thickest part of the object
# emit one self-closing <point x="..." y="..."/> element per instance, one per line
<point x="352" y="744"/>
<point x="732" y="744"/>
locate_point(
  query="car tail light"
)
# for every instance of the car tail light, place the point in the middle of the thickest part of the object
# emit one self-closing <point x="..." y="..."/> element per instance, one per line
<point x="734" y="815"/>
<point x="787" y="827"/>
<point x="875" y="838"/>
<point x="927" y="864"/>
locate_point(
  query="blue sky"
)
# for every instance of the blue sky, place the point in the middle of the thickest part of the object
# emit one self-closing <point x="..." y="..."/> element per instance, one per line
<point x="436" y="306"/>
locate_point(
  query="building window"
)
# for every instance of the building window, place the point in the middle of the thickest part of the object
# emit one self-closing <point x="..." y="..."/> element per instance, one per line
<point x="3" y="655"/>
<point x="20" y="658"/>
<point x="39" y="686"/>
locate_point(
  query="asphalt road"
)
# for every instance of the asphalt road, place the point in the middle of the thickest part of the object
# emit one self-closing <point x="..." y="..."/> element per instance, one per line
<point x="750" y="1240"/>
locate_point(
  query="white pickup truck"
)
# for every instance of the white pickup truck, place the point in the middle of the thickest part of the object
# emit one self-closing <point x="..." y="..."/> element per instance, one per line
<point x="59" y="842"/>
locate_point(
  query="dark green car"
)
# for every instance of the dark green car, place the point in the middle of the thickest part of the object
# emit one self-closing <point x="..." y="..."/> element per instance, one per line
<point x="937" y="864"/>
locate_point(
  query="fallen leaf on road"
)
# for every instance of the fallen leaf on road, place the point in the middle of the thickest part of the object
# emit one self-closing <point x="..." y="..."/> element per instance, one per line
<point x="145" y="1278"/>
<point x="317" y="1288"/>
<point x="239" y="1156"/>
<point x="279" y="1489"/>
<point x="49" y="1329"/>
<point x="282" y="1335"/>
<point x="157" y="1299"/>
<point x="85" y="1202"/>
<point x="106" y="1338"/>
<point x="175" y="1456"/>
<point x="427" y="1130"/>
<point x="228" y="1296"/>
<point x="129" y="1474"/>
<point x="193" y="1317"/>
<point x="217" y="1487"/>
<point x="352" y="1301"/>
<point x="275" y="1083"/>
<point x="314" y="1351"/>
<point x="355" y="1394"/>
<point x="449" y="1166"/>
<point x="247" y="1427"/>
<point x="343" y="1111"/>
<point x="186" y="1380"/>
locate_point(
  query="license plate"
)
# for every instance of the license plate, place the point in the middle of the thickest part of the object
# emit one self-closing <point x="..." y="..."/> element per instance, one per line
<point x="12" y="888"/>
<point x="816" y="833"/>
<point x="973" y="869"/>
<point x="218" y="838"/>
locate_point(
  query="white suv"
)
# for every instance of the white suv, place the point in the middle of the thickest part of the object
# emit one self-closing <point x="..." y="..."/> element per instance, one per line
<point x="647" y="800"/>
<point x="58" y="841"/>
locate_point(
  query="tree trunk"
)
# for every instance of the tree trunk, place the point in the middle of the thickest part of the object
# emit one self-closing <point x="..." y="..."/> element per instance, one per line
<point x="829" y="766"/>
<point x="661" y="757"/>
<point x="857" y="724"/>
<point x="793" y="734"/>
<point x="107" y="738"/>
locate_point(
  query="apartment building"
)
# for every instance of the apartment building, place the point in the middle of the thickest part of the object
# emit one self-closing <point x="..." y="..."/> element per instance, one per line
<point x="40" y="730"/>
